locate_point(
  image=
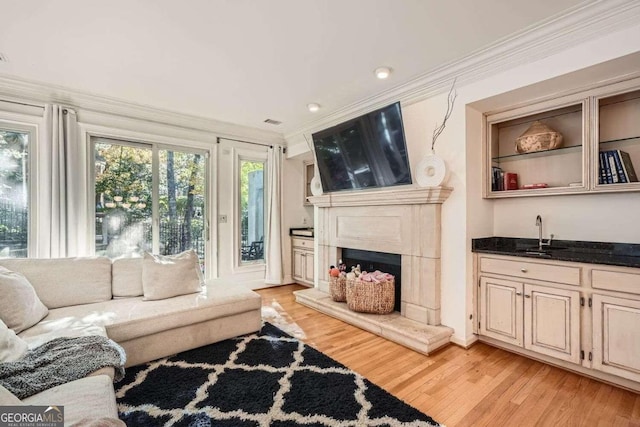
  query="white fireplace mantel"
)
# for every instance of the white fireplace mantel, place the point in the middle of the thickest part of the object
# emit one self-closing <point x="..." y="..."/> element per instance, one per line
<point x="405" y="195"/>
<point x="400" y="220"/>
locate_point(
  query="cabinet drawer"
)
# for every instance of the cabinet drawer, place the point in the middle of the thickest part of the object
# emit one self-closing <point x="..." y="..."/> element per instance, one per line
<point x="302" y="243"/>
<point x="616" y="280"/>
<point x="531" y="270"/>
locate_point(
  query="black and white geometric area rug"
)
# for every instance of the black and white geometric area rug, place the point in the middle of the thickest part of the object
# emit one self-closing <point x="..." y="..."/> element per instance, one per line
<point x="262" y="379"/>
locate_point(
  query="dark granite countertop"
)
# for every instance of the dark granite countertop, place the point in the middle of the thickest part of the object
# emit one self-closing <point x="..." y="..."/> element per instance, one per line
<point x="621" y="254"/>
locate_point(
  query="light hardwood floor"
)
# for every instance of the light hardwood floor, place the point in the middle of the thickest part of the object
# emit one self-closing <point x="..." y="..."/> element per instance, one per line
<point x="481" y="386"/>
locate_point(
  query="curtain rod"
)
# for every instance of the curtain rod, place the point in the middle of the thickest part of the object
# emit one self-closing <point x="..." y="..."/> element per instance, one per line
<point x="246" y="142"/>
<point x="284" y="149"/>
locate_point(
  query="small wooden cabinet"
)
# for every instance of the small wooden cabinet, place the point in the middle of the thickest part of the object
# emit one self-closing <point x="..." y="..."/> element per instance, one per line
<point x="538" y="318"/>
<point x="303" y="260"/>
<point x="592" y="122"/>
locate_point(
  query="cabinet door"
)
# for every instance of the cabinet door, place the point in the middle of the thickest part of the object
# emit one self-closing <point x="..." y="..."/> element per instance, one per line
<point x="552" y="322"/>
<point x="501" y="310"/>
<point x="298" y="264"/>
<point x="616" y="336"/>
<point x="308" y="267"/>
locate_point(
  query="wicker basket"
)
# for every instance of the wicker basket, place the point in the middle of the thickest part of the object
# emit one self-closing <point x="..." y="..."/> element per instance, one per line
<point x="337" y="288"/>
<point x="367" y="297"/>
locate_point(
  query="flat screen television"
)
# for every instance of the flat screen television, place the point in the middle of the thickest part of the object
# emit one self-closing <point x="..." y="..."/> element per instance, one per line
<point x="366" y="152"/>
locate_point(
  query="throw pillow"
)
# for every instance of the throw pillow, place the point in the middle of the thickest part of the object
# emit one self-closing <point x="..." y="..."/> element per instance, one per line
<point x="20" y="307"/>
<point x="12" y="347"/>
<point x="170" y="276"/>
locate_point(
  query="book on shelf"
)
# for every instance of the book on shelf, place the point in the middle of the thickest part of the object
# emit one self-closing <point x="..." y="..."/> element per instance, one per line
<point x="497" y="179"/>
<point x="622" y="177"/>
<point x="615" y="167"/>
<point x="627" y="166"/>
<point x="606" y="168"/>
<point x="612" y="167"/>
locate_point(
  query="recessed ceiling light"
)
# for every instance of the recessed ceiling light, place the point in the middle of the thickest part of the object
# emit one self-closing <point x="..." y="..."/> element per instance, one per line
<point x="382" y="72"/>
<point x="313" y="107"/>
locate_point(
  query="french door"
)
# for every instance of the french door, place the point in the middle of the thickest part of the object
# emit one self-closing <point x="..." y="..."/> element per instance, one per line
<point x="149" y="197"/>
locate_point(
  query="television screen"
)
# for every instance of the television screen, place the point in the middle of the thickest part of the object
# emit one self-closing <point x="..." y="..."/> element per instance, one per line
<point x="366" y="152"/>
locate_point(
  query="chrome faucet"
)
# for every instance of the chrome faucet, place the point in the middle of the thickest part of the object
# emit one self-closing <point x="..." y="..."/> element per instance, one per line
<point x="541" y="241"/>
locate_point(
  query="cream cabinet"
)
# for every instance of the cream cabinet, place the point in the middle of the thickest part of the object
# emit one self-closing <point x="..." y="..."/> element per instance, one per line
<point x="601" y="135"/>
<point x="584" y="317"/>
<point x="616" y="321"/>
<point x="616" y="336"/>
<point x="303" y="260"/>
<point x="542" y="319"/>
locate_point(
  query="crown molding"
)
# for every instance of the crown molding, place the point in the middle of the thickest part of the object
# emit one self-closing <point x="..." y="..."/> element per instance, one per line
<point x="587" y="21"/>
<point x="37" y="94"/>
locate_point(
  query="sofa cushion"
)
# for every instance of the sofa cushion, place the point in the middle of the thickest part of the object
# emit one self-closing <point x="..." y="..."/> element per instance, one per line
<point x="127" y="277"/>
<point x="171" y="275"/>
<point x="12" y="347"/>
<point x="130" y="318"/>
<point x="20" y="307"/>
<point x="87" y="397"/>
<point x="8" y="398"/>
<point x="62" y="328"/>
<point x="66" y="281"/>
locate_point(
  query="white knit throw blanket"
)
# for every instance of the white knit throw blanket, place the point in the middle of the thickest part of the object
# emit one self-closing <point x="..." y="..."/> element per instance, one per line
<point x="60" y="361"/>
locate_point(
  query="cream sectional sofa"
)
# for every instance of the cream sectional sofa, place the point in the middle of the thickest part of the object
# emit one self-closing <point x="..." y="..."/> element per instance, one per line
<point x="94" y="295"/>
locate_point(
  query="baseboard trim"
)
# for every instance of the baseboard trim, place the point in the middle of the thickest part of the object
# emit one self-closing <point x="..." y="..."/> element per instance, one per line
<point x="464" y="343"/>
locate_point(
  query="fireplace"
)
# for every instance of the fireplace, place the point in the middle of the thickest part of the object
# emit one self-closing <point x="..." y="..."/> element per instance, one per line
<point x="401" y="221"/>
<point x="372" y="261"/>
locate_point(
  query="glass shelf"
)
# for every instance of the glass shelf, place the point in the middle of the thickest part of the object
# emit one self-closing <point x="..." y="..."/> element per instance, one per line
<point x="561" y="150"/>
<point x="631" y="138"/>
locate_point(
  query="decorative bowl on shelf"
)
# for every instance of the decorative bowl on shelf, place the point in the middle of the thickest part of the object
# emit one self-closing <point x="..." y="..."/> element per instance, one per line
<point x="539" y="137"/>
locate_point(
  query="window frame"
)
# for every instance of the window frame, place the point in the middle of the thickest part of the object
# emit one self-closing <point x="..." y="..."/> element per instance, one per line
<point x="32" y="211"/>
<point x="240" y="155"/>
<point x="156" y="144"/>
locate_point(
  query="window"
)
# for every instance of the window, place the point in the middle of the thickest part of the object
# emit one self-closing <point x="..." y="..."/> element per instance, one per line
<point x="251" y="211"/>
<point x="14" y="192"/>
<point x="149" y="198"/>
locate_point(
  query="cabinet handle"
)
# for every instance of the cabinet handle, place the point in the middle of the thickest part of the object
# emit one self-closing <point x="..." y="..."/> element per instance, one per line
<point x="518" y="293"/>
<point x="527" y="296"/>
<point x="524" y="270"/>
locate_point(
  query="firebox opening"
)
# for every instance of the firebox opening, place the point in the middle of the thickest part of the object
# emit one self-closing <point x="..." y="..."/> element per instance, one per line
<point x="371" y="261"/>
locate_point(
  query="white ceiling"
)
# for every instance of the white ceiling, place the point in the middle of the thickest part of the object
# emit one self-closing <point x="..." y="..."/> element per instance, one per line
<point x="243" y="61"/>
